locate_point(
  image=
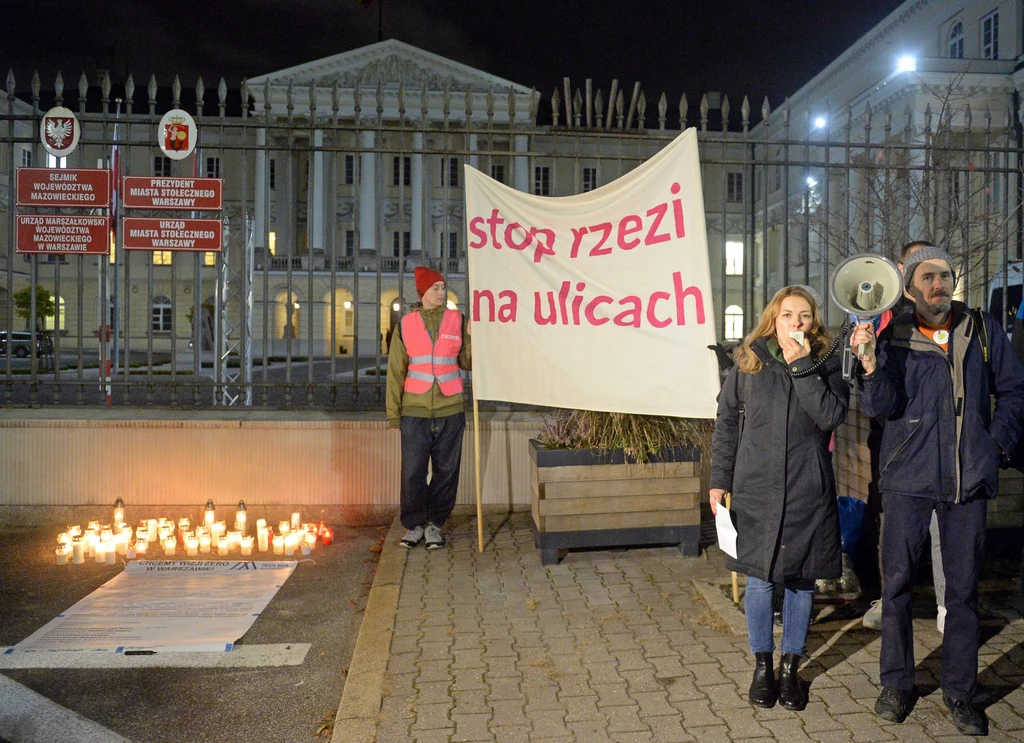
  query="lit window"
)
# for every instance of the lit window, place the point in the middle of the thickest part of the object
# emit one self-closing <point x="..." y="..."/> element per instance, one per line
<point x="990" y="36"/>
<point x="162" y="257"/>
<point x="956" y="40"/>
<point x="733" y="259"/>
<point x="272" y="243"/>
<point x="401" y="243"/>
<point x="56" y="162"/>
<point x="210" y="259"/>
<point x="161" y="315"/>
<point x="49" y="320"/>
<point x="733" y="323"/>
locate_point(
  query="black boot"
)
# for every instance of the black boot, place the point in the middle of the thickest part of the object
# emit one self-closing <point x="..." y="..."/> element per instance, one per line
<point x="791" y="691"/>
<point x="763" y="692"/>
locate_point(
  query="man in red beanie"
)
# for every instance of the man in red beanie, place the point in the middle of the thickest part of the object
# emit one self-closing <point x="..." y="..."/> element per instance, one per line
<point x="424" y="400"/>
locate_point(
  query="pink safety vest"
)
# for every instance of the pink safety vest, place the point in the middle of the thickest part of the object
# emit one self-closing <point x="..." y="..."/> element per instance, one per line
<point x="433" y="361"/>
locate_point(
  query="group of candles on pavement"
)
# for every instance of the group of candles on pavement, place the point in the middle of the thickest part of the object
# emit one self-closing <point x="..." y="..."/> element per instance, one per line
<point x="103" y="543"/>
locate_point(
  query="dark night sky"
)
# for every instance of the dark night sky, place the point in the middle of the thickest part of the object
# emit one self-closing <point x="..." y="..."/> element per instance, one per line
<point x="754" y="47"/>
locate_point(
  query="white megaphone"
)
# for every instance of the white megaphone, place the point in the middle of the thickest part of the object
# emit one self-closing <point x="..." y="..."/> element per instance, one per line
<point x="865" y="286"/>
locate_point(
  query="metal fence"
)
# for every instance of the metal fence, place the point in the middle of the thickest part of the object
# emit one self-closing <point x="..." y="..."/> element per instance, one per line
<point x="329" y="206"/>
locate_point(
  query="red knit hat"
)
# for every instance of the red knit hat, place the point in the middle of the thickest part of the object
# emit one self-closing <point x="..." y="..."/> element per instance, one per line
<point x="426" y="278"/>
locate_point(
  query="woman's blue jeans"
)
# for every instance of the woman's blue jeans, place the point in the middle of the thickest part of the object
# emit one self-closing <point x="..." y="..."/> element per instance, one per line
<point x="796" y="617"/>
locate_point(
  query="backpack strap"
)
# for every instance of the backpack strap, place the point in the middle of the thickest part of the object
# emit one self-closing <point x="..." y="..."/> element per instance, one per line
<point x="982" y="331"/>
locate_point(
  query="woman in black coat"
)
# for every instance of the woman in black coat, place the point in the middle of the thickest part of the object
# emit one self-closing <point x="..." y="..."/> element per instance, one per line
<point x="776" y="414"/>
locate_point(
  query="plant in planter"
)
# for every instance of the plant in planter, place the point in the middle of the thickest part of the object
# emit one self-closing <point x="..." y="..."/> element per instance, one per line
<point x="617" y="479"/>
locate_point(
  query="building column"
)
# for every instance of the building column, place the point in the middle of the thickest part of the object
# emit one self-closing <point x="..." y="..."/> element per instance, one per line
<point x="522" y="164"/>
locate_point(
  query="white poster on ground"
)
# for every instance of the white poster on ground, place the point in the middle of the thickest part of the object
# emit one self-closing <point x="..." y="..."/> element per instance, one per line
<point x="165" y="606"/>
<point x="600" y="301"/>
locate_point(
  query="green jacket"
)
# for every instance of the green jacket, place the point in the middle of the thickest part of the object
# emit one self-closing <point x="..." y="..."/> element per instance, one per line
<point x="430" y="404"/>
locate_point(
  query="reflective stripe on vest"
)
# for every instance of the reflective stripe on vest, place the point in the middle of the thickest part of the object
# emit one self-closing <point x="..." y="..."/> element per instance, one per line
<point x="429" y="361"/>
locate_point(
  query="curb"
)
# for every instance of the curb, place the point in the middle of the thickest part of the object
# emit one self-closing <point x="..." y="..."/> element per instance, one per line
<point x="359" y="710"/>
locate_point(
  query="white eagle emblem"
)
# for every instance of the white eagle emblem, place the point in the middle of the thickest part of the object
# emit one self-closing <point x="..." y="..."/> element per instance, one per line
<point x="58" y="132"/>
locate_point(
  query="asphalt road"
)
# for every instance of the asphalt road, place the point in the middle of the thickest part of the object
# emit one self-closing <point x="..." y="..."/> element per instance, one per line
<point x="320" y="604"/>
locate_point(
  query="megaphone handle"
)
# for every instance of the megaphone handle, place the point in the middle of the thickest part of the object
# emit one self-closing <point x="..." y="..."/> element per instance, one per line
<point x="862" y="348"/>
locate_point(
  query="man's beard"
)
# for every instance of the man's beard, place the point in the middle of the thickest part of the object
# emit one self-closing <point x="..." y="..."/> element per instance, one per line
<point x="933" y="314"/>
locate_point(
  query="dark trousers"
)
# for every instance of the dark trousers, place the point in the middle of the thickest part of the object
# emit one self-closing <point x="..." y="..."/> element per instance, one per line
<point x="962" y="539"/>
<point x="437" y="441"/>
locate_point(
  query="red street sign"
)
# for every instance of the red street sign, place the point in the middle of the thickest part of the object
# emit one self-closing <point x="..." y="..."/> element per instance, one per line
<point x="53" y="233"/>
<point x="172" y="193"/>
<point x="78" y="188"/>
<point x="172" y="234"/>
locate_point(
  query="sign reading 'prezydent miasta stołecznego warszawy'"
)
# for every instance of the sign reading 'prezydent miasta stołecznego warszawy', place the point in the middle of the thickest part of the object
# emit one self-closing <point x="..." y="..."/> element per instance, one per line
<point x="173" y="193"/>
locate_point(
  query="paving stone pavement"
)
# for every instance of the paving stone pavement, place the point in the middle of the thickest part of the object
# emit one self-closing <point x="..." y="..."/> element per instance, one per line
<point x="629" y="646"/>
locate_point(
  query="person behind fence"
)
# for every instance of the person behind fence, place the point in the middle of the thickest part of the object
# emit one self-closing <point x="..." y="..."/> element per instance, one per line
<point x="927" y="374"/>
<point x="776" y="413"/>
<point x="425" y="402"/>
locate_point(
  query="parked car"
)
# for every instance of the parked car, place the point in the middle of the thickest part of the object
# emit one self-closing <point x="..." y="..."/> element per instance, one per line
<point x="21" y="341"/>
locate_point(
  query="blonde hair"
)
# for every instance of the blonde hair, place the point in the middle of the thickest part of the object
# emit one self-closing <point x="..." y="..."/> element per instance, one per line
<point x="819" y="337"/>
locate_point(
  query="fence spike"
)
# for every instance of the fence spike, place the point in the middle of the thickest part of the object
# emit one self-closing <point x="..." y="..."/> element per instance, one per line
<point x="380" y="101"/>
<point x="222" y="93"/>
<point x="58" y="88"/>
<point x="10" y="83"/>
<point x="176" y="91"/>
<point x="641" y="109"/>
<point x="200" y="95"/>
<point x="490" y="102"/>
<point x="556" y="103"/>
<point x="401" y="100"/>
<point x="988" y="119"/>
<point x="745" y="113"/>
<point x="662" y="110"/>
<point x="129" y="91"/>
<point x="446" y="101"/>
<point x="577" y="108"/>
<point x="289" y="97"/>
<point x="619" y="110"/>
<point x="968" y="118"/>
<point x="684" y="110"/>
<point x="424" y="108"/>
<point x="888" y="119"/>
<point x="589" y="87"/>
<point x="267" y="105"/>
<point x="765" y="111"/>
<point x="36" y="85"/>
<point x="150" y="89"/>
<point x="598" y="106"/>
<point x="704" y="108"/>
<point x="469" y="103"/>
<point x="105" y="88"/>
<point x="927" y="118"/>
<point x="785" y="112"/>
<point x="335" y="101"/>
<point x="725" y="112"/>
<point x="244" y="92"/>
<point x="908" y="115"/>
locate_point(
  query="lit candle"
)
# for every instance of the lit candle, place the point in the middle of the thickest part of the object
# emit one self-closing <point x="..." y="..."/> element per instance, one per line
<point x="217" y="530"/>
<point x="290" y="543"/>
<point x="170" y="544"/>
<point x="130" y="551"/>
<point x="141" y="547"/>
<point x="326" y="536"/>
<point x="296" y="520"/>
<point x="184" y="525"/>
<point x="111" y="555"/>
<point x="119" y="511"/>
<point x="152" y="527"/>
<point x="77" y="551"/>
<point x="246" y="545"/>
<point x="209" y="515"/>
<point x="261" y="523"/>
<point x="284" y="527"/>
<point x="192" y="545"/>
<point x="223" y="546"/>
<point x="94" y="525"/>
<point x="101" y="551"/>
<point x="263" y="538"/>
<point x="240" y="517"/>
<point x="64" y="538"/>
<point x="142" y="534"/>
<point x="311" y="540"/>
<point x="63" y="550"/>
<point x="74" y="530"/>
<point x="204" y="544"/>
<point x="91" y="540"/>
<point x="278" y="545"/>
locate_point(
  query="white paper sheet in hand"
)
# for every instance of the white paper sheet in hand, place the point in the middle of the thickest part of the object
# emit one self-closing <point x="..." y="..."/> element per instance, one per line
<point x="726" y="531"/>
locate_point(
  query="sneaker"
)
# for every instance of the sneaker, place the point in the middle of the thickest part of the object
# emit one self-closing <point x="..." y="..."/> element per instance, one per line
<point x="940" y="620"/>
<point x="893" y="705"/>
<point x="412" y="537"/>
<point x="873" y="616"/>
<point x="969" y="720"/>
<point x="434" y="539"/>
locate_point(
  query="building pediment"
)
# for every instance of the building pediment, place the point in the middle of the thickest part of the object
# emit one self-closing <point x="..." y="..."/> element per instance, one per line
<point x="389" y="64"/>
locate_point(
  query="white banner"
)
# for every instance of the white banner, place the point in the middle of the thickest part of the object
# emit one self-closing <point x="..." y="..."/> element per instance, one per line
<point x="600" y="301"/>
<point x="165" y="605"/>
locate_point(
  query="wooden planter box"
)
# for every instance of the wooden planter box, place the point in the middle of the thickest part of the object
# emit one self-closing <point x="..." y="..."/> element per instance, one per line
<point x="592" y="498"/>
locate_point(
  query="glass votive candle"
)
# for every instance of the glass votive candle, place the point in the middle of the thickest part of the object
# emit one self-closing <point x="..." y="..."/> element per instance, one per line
<point x="204" y="543"/>
<point x="263" y="539"/>
<point x="142" y="533"/>
<point x="62" y="553"/>
<point x="78" y="550"/>
<point x="290" y="543"/>
<point x="192" y="545"/>
<point x="141" y="547"/>
<point x="170" y="545"/>
<point x="151" y="530"/>
<point x="94" y="525"/>
<point x="129" y="551"/>
<point x="234" y="538"/>
<point x="278" y="545"/>
<point x="261" y="523"/>
<point x="326" y="535"/>
<point x="101" y="551"/>
<point x="218" y="529"/>
<point x="246" y="545"/>
<point x="284" y="527"/>
<point x="310" y="542"/>
<point x="111" y="556"/>
<point x="223" y="546"/>
<point x="64" y="538"/>
<point x="74" y="530"/>
<point x="296" y="520"/>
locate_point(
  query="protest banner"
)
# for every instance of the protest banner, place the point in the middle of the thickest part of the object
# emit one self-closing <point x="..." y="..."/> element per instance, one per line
<point x="599" y="301"/>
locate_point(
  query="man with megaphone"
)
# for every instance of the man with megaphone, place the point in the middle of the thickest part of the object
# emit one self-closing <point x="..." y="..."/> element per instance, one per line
<point x="926" y="374"/>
